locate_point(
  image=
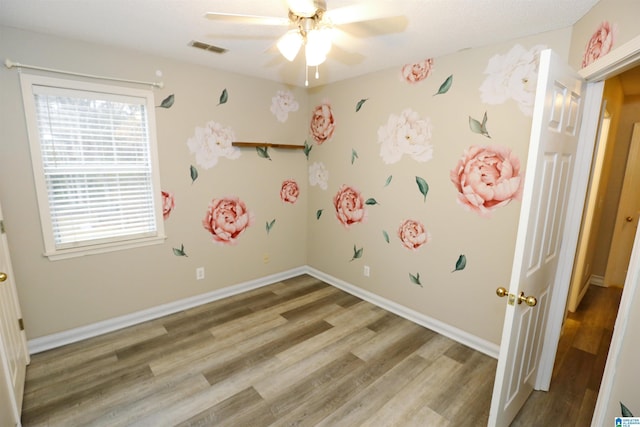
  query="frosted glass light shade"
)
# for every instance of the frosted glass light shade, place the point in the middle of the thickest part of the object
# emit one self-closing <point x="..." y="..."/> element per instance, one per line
<point x="317" y="46"/>
<point x="289" y="44"/>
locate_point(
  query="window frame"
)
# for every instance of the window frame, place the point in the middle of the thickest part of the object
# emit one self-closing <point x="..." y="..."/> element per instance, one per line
<point x="27" y="82"/>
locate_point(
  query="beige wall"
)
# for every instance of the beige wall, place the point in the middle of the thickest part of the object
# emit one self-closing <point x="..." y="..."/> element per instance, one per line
<point x="465" y="299"/>
<point x="61" y="295"/>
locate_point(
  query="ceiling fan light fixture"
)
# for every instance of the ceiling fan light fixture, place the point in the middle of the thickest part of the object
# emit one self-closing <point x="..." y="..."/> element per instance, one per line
<point x="317" y="46"/>
<point x="289" y="44"/>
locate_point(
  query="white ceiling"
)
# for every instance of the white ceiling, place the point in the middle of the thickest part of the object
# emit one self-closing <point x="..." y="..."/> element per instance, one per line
<point x="165" y="27"/>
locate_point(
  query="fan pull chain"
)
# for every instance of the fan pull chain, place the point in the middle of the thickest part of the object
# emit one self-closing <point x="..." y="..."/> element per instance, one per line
<point x="306" y="75"/>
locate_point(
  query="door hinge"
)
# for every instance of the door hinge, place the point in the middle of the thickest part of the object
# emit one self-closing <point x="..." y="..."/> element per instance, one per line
<point x="21" y="324"/>
<point x="2" y="227"/>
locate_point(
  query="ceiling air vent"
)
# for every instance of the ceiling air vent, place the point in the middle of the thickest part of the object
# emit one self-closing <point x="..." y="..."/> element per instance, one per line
<point x="207" y="47"/>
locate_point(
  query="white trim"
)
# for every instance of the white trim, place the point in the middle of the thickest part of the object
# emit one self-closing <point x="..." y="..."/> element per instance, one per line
<point x="59" y="339"/>
<point x="465" y="338"/>
<point x="597" y="280"/>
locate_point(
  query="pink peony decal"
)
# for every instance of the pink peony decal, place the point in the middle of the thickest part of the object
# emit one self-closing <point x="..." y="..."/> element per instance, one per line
<point x="227" y="219"/>
<point x="600" y="43"/>
<point x="349" y="205"/>
<point x="412" y="234"/>
<point x="487" y="178"/>
<point x="322" y="123"/>
<point x="414" y="73"/>
<point x="289" y="191"/>
<point x="168" y="203"/>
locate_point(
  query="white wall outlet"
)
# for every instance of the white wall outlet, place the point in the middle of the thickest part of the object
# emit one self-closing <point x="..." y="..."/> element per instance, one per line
<point x="366" y="271"/>
<point x="199" y="273"/>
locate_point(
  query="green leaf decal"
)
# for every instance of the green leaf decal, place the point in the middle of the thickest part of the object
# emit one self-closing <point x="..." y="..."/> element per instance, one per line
<point x="357" y="253"/>
<point x="445" y="86"/>
<point x="625" y="411"/>
<point x="422" y="186"/>
<point x="478" y="127"/>
<point x="319" y="213"/>
<point x="263" y="152"/>
<point x="307" y="149"/>
<point x="224" y="97"/>
<point x="179" y="252"/>
<point x="371" y="202"/>
<point x="167" y="102"/>
<point x="194" y="173"/>
<point x="415" y="279"/>
<point x="461" y="263"/>
<point x="354" y="155"/>
<point x="360" y="104"/>
<point x="385" y="235"/>
<point x="388" y="181"/>
<point x="269" y="225"/>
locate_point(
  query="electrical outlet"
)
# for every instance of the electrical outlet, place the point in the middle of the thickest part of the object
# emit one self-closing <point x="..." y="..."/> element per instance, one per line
<point x="199" y="273"/>
<point x="366" y="271"/>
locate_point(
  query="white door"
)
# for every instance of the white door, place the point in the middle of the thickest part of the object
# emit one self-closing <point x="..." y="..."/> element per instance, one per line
<point x="627" y="216"/>
<point x="13" y="348"/>
<point x="552" y="150"/>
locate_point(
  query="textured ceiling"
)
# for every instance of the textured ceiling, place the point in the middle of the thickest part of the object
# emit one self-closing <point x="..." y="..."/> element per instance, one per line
<point x="165" y="27"/>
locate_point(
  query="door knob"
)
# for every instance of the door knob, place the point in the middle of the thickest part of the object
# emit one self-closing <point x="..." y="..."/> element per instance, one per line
<point x="530" y="301"/>
<point x="3" y="277"/>
<point x="629" y="218"/>
<point x="502" y="292"/>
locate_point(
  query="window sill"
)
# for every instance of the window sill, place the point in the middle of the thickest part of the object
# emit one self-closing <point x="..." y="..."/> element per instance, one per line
<point x="103" y="248"/>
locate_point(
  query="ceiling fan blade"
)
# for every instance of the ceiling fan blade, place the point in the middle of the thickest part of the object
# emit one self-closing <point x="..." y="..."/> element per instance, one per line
<point x="344" y="56"/>
<point x="247" y="19"/>
<point x="376" y="27"/>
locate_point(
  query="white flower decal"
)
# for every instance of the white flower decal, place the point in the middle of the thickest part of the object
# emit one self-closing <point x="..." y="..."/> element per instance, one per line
<point x="282" y="104"/>
<point x="211" y="142"/>
<point x="318" y="175"/>
<point x="512" y="76"/>
<point x="408" y="134"/>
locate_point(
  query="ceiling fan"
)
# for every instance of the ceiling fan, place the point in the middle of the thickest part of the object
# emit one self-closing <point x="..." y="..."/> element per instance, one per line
<point x="312" y="28"/>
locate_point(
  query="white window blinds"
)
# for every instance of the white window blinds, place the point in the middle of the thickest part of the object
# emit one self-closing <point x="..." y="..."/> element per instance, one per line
<point x="96" y="161"/>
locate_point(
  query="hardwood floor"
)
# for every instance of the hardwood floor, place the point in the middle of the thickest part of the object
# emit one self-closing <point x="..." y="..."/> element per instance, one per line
<point x="580" y="361"/>
<point x="298" y="352"/>
<point x="301" y="352"/>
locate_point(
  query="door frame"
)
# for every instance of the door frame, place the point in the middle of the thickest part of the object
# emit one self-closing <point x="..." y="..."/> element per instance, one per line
<point x="618" y="60"/>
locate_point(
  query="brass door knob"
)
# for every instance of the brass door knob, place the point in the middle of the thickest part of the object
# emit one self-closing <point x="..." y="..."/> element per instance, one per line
<point x="629" y="219"/>
<point x="502" y="292"/>
<point x="530" y="301"/>
<point x="3" y="277"/>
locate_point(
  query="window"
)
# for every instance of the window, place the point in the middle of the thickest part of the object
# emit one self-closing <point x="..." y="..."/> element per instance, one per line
<point x="95" y="165"/>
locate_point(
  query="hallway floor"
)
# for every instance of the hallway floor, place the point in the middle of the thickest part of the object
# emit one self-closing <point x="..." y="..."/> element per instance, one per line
<point x="580" y="361"/>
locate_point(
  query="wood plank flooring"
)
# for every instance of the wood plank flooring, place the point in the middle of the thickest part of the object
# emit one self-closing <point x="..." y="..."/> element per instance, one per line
<point x="577" y="373"/>
<point x="298" y="352"/>
<point x="301" y="352"/>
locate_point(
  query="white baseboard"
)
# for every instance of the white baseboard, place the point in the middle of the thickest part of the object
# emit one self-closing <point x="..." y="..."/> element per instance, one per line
<point x="465" y="338"/>
<point x="597" y="280"/>
<point x="48" y="342"/>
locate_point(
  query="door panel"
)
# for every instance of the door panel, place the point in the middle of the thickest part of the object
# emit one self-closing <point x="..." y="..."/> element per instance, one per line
<point x="13" y="349"/>
<point x="552" y="151"/>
